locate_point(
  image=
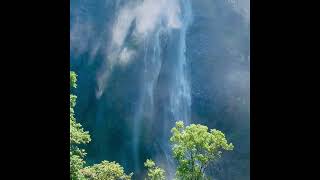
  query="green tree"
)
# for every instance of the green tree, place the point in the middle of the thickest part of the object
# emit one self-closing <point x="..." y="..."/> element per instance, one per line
<point x="154" y="172"/>
<point x="194" y="148"/>
<point x="77" y="136"/>
<point x="105" y="171"/>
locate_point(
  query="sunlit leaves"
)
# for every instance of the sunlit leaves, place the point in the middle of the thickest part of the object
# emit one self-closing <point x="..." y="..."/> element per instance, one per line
<point x="73" y="79"/>
<point x="154" y="172"/>
<point x="77" y="136"/>
<point x="194" y="148"/>
<point x="105" y="171"/>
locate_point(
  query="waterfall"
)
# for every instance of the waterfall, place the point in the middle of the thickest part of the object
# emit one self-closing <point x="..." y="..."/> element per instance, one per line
<point x="138" y="62"/>
<point x="151" y="33"/>
<point x="180" y="97"/>
<point x="174" y="25"/>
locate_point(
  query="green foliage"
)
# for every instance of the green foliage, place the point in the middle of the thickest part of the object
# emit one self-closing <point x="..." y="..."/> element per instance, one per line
<point x="194" y="148"/>
<point x="154" y="172"/>
<point x="105" y="171"/>
<point x="73" y="79"/>
<point x="76" y="164"/>
<point x="77" y="136"/>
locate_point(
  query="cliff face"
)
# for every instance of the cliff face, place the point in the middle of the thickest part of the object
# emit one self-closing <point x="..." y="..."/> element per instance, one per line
<point x="143" y="65"/>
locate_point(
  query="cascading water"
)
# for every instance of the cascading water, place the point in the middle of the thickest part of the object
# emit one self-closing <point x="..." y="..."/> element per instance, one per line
<point x="145" y="64"/>
<point x="154" y="21"/>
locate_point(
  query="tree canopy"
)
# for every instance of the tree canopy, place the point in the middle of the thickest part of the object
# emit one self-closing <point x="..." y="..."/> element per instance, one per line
<point x="105" y="170"/>
<point x="77" y="136"/>
<point x="78" y="171"/>
<point x="154" y="172"/>
<point x="194" y="147"/>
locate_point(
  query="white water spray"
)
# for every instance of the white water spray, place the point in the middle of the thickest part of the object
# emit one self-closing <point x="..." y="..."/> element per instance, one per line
<point x="145" y="22"/>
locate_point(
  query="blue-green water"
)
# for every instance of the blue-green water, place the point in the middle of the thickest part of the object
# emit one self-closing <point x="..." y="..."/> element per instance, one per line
<point x="142" y="65"/>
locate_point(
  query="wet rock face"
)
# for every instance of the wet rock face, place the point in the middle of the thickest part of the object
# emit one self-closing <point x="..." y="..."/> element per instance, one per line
<point x="139" y="71"/>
